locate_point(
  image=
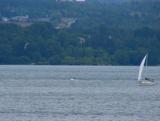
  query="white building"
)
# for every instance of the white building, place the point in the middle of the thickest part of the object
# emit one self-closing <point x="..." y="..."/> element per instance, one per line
<point x="20" y="18"/>
<point x="71" y="0"/>
<point x="80" y="0"/>
<point x="5" y="19"/>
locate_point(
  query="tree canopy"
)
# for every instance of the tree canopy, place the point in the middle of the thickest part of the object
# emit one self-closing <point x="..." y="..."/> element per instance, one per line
<point x="103" y="34"/>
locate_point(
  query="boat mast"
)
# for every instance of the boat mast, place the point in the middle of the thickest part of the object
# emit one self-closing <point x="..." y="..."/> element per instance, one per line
<point x="146" y="63"/>
<point x="146" y="59"/>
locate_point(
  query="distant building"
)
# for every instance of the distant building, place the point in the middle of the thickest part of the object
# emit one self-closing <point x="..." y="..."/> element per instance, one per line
<point x="80" y="0"/>
<point x="64" y="0"/>
<point x="5" y="19"/>
<point x="81" y="40"/>
<point x="41" y="20"/>
<point x="70" y="0"/>
<point x="20" y="18"/>
<point x="66" y="23"/>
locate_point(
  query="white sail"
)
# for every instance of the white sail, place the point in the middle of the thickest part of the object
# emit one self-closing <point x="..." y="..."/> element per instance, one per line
<point x="141" y="68"/>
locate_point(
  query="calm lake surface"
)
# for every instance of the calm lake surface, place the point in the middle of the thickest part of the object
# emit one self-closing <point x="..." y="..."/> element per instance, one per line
<point x="77" y="93"/>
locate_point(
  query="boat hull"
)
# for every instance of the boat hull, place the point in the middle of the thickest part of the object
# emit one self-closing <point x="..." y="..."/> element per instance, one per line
<point x="146" y="83"/>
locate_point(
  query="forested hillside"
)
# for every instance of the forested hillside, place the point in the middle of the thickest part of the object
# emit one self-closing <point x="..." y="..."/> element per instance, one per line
<point x="91" y="32"/>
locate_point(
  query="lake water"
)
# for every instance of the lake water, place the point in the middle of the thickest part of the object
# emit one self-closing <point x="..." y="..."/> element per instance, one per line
<point x="77" y="93"/>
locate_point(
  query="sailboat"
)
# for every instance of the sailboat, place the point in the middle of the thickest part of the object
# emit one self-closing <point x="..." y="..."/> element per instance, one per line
<point x="146" y="81"/>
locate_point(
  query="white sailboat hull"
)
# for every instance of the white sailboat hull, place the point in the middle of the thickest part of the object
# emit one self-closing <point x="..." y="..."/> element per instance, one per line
<point x="146" y="83"/>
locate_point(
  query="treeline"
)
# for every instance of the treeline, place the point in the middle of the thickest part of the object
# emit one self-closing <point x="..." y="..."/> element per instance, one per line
<point x="104" y="34"/>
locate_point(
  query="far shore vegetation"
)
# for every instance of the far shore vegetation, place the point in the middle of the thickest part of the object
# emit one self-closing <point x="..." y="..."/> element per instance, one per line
<point x="50" y="32"/>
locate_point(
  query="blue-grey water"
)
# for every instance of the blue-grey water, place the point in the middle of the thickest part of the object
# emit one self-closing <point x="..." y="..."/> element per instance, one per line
<point x="77" y="93"/>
